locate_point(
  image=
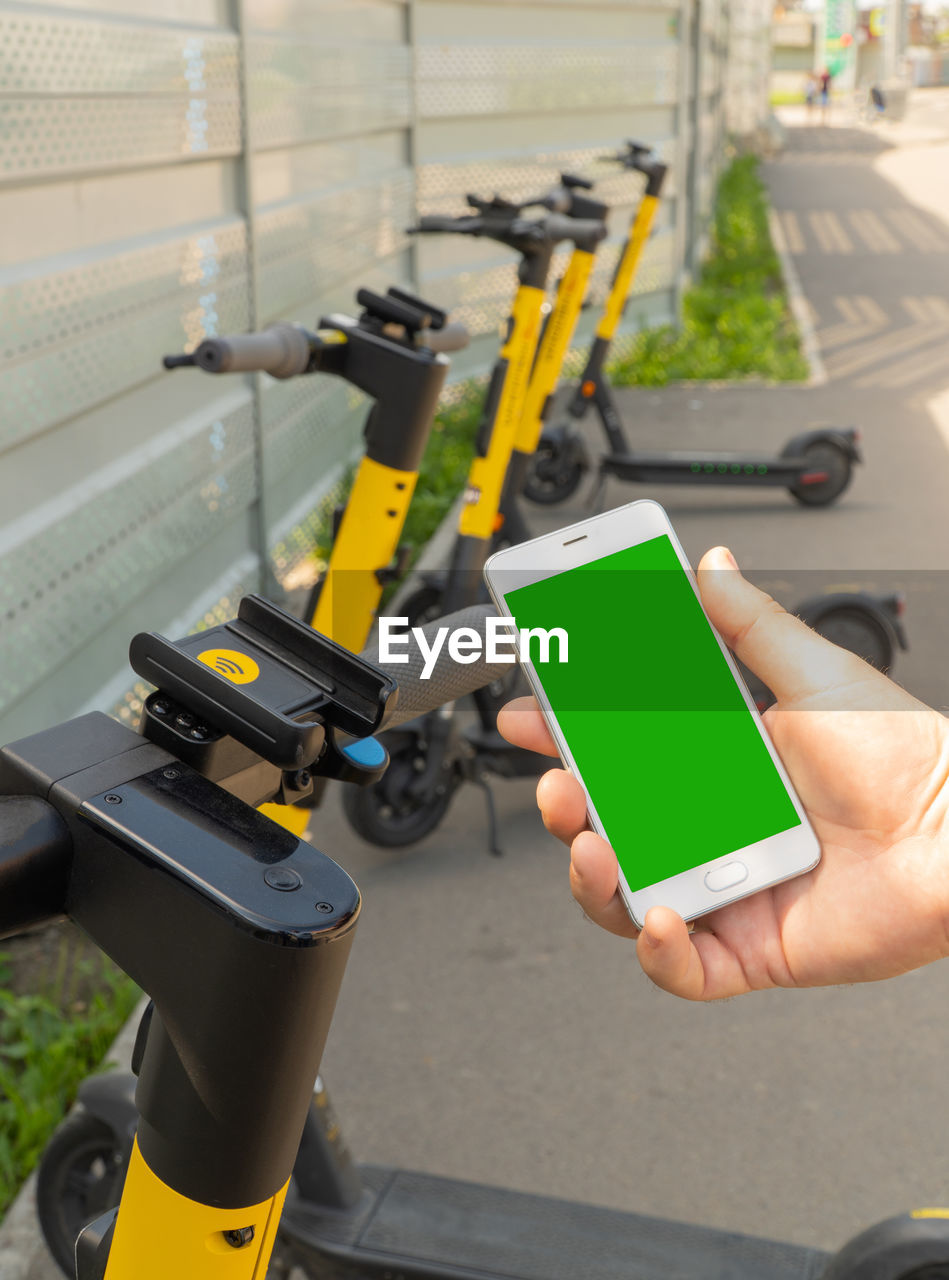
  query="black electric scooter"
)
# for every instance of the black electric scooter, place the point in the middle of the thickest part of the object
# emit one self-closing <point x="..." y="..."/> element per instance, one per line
<point x="815" y="467"/>
<point x="339" y="1220"/>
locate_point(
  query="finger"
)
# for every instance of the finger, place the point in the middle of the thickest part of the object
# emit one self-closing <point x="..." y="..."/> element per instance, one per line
<point x="793" y="661"/>
<point x="667" y="955"/>
<point x="563" y="804"/>
<point x="695" y="966"/>
<point x="523" y="725"/>
<point x="594" y="880"/>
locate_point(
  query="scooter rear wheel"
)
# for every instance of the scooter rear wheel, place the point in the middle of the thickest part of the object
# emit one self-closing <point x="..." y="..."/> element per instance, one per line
<point x="555" y="472"/>
<point x="80" y="1177"/>
<point x="822" y="455"/>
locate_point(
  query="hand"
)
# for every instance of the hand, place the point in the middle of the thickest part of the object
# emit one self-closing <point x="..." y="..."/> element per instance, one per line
<point x="871" y="765"/>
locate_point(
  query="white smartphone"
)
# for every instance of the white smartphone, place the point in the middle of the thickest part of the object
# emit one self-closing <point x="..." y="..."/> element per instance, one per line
<point x="649" y="712"/>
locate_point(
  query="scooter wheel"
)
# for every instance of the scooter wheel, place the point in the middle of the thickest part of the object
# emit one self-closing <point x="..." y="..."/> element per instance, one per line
<point x="856" y="630"/>
<point x="79" y="1178"/>
<point x="822" y="455"/>
<point x="555" y="473"/>
<point x="386" y="814"/>
<point x="423" y="605"/>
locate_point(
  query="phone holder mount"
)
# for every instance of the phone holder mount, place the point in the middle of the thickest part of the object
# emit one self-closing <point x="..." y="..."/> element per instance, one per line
<point x="399" y="308"/>
<point x="264" y="686"/>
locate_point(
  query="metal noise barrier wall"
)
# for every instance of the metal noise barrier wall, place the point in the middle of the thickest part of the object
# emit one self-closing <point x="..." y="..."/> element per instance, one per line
<point x="172" y="169"/>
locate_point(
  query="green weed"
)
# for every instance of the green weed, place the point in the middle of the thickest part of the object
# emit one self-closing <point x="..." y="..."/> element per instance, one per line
<point x="735" y="319"/>
<point x="48" y="1043"/>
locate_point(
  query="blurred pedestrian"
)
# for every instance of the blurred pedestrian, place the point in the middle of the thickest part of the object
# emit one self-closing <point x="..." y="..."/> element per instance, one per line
<point x="823" y="81"/>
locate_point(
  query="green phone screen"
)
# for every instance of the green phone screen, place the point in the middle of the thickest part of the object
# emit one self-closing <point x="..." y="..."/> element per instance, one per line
<point x="670" y="753"/>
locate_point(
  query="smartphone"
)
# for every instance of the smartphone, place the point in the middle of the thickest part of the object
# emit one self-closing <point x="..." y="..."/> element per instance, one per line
<point x="649" y="712"/>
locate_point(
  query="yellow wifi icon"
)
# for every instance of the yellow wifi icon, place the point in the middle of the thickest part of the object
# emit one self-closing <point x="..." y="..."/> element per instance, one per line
<point x="234" y="666"/>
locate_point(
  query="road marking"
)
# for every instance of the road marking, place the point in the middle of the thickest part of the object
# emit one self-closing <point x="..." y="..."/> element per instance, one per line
<point x="899" y="342"/>
<point x="862" y="317"/>
<point x="916" y="231"/>
<point x="830" y="233"/>
<point x="874" y="234"/>
<point x="939" y="408"/>
<point x="792" y="233"/>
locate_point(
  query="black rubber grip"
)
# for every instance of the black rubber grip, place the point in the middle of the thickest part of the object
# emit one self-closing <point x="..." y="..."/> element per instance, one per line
<point x="453" y="337"/>
<point x="282" y="350"/>
<point x="448" y="679"/>
<point x="437" y="222"/>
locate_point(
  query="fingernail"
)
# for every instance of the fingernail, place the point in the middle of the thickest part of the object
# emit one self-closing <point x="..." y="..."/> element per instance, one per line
<point x="649" y="940"/>
<point x="730" y="558"/>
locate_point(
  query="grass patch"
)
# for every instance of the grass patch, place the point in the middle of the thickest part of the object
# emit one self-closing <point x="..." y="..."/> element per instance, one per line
<point x="735" y="320"/>
<point x="48" y="1044"/>
<point x="446" y="461"/>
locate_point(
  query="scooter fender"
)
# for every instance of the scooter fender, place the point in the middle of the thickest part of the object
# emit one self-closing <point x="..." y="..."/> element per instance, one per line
<point x="845" y="438"/>
<point x="906" y="1245"/>
<point x="111" y="1098"/>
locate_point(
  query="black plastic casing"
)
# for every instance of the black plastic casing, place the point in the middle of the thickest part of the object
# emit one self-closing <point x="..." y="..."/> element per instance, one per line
<point x="186" y="888"/>
<point x="404" y="380"/>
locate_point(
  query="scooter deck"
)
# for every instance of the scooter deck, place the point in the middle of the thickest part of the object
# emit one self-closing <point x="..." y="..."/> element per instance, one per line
<point x="716" y="468"/>
<point x="412" y="1225"/>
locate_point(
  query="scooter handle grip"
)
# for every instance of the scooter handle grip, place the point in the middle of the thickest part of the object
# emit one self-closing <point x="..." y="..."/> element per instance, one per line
<point x="448" y="679"/>
<point x="453" y="337"/>
<point x="283" y="350"/>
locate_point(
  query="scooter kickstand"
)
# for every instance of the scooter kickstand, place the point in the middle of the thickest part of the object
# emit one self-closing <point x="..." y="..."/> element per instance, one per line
<point x="595" y="501"/>
<point x="494" y="843"/>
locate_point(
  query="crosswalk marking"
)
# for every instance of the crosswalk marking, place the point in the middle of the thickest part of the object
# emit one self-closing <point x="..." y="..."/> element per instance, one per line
<point x="873" y="232"/>
<point x="862" y="317"/>
<point x="792" y="232"/>
<point x="830" y="232"/>
<point x="893" y="356"/>
<point x="916" y="231"/>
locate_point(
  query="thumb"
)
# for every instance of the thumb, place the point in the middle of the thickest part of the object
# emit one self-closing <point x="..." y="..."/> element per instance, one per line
<point x="793" y="661"/>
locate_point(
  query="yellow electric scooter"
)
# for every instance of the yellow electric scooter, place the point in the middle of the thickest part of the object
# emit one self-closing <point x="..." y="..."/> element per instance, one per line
<point x="432" y="758"/>
<point x="393" y="352"/>
<point x="815" y="466"/>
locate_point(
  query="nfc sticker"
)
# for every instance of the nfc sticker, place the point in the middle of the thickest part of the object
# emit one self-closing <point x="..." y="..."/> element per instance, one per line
<point x="233" y="665"/>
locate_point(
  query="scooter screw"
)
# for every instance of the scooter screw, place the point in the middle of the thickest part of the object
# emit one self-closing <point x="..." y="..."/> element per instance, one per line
<point x="112" y="798"/>
<point x="325" y="907"/>
<point x="171" y="774"/>
<point x="238" y="1238"/>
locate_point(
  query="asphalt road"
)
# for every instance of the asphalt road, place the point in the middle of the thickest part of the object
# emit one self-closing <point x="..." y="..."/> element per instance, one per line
<point x="486" y="1031"/>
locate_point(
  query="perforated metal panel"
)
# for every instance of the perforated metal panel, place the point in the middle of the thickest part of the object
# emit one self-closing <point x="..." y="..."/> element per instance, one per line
<point x="172" y="169"/>
<point x="80" y="94"/>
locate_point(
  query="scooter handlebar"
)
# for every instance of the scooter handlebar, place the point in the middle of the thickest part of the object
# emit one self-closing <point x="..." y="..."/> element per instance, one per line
<point x="586" y="233"/>
<point x="448" y="679"/>
<point x="282" y="350"/>
<point x="471" y="225"/>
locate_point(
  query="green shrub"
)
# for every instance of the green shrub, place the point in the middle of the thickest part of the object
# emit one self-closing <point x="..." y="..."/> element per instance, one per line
<point x="48" y="1044"/>
<point x="735" y="319"/>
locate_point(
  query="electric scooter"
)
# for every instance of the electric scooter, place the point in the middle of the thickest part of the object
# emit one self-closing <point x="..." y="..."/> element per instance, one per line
<point x="431" y="759"/>
<point x="815" y="467"/>
<point x="395" y="353"/>
<point x="154" y="849"/>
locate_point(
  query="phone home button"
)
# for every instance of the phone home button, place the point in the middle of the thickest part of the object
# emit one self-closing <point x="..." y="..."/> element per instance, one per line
<point x="726" y="877"/>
